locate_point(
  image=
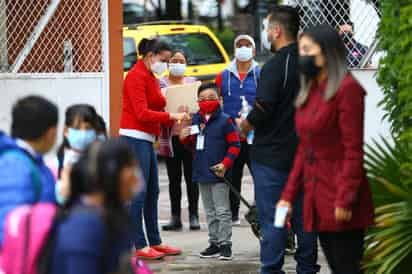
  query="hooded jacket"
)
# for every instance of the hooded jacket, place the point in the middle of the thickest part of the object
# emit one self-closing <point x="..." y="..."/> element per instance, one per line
<point x="232" y="87"/>
<point x="24" y="179"/>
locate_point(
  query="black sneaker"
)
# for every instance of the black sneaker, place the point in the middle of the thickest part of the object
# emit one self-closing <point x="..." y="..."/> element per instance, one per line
<point x="213" y="251"/>
<point x="226" y="253"/>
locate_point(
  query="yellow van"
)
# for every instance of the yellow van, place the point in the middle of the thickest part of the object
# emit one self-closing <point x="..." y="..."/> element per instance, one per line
<point x="205" y="54"/>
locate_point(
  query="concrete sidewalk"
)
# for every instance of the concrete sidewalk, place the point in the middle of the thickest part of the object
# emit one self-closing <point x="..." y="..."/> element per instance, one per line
<point x="245" y="244"/>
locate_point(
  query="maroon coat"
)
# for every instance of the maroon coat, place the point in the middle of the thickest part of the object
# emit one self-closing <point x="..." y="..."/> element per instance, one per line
<point x="329" y="160"/>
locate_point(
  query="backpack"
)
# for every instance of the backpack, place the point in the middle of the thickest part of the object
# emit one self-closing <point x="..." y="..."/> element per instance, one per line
<point x="27" y="229"/>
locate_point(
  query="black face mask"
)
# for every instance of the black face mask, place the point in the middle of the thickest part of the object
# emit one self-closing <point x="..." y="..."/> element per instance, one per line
<point x="308" y="67"/>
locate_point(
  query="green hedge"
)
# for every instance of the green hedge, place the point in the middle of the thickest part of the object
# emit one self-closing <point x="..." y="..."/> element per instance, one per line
<point x="395" y="69"/>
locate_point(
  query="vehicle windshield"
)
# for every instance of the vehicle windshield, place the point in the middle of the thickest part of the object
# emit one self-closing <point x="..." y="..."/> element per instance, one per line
<point x="199" y="48"/>
<point x="129" y="53"/>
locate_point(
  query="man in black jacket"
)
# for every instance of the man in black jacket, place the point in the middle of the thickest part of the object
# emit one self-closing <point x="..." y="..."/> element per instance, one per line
<point x="275" y="142"/>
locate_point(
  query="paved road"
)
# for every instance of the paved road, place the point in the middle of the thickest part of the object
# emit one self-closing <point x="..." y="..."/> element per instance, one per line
<point x="245" y="245"/>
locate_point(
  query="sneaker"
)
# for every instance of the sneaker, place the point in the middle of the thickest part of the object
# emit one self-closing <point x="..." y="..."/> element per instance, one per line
<point x="167" y="250"/>
<point x="213" y="251"/>
<point x="236" y="222"/>
<point x="150" y="254"/>
<point x="226" y="253"/>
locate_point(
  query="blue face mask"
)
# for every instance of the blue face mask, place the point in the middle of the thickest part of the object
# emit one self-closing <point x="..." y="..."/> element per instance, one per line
<point x="79" y="139"/>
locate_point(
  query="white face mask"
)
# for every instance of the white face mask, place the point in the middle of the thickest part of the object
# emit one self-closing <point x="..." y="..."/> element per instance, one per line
<point x="265" y="36"/>
<point x="158" y="67"/>
<point x="177" y="69"/>
<point x="243" y="54"/>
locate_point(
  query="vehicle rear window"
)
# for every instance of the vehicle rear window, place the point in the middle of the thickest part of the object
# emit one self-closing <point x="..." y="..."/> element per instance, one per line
<point x="129" y="53"/>
<point x="199" y="48"/>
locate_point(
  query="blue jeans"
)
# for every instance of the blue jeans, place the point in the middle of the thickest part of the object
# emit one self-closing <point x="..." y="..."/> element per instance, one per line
<point x="144" y="205"/>
<point x="269" y="184"/>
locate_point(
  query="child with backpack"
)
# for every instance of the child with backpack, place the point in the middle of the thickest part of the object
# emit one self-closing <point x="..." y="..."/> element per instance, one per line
<point x="217" y="144"/>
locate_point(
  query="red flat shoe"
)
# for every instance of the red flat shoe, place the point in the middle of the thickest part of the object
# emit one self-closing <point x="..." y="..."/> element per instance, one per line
<point x="167" y="250"/>
<point x="151" y="254"/>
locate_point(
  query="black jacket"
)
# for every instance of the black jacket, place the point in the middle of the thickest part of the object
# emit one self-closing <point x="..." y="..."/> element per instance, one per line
<point x="273" y="112"/>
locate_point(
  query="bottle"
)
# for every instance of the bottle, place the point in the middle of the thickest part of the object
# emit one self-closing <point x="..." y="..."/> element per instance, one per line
<point x="244" y="111"/>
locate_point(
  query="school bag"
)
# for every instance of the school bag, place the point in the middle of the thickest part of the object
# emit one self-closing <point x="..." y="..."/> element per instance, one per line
<point x="27" y="229"/>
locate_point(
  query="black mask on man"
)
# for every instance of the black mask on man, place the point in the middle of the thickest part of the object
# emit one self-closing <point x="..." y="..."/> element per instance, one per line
<point x="308" y="67"/>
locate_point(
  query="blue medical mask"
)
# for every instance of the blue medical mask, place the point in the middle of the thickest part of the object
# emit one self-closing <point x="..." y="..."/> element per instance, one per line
<point x="79" y="139"/>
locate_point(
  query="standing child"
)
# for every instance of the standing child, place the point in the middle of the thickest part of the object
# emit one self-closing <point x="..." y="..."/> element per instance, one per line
<point x="217" y="145"/>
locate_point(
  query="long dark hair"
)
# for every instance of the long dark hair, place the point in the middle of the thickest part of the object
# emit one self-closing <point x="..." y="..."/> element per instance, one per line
<point x="98" y="170"/>
<point x="334" y="51"/>
<point x="74" y="113"/>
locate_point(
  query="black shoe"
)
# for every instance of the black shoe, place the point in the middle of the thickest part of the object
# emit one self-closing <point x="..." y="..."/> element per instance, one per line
<point x="174" y="225"/>
<point x="226" y="253"/>
<point x="213" y="251"/>
<point x="194" y="223"/>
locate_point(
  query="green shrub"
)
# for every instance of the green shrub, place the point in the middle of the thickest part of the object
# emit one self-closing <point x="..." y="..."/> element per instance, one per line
<point x="226" y="37"/>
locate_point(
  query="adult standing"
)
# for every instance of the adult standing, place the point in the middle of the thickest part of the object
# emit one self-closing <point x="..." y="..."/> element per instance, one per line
<point x="141" y="117"/>
<point x="239" y="80"/>
<point x="177" y="156"/>
<point x="329" y="161"/>
<point x="275" y="142"/>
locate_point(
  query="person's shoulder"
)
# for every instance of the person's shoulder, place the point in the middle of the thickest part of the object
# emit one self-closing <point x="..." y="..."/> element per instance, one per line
<point x="350" y="86"/>
<point x="15" y="161"/>
<point x="83" y="230"/>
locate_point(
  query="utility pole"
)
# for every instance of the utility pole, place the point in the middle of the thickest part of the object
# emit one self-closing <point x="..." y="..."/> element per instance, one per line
<point x="219" y="15"/>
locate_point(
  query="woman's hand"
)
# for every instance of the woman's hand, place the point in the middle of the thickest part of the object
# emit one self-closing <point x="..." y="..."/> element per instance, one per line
<point x="180" y="116"/>
<point x="343" y="215"/>
<point x="184" y="133"/>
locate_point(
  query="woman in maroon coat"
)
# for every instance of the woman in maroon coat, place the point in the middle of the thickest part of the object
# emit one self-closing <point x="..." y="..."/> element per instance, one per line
<point x="329" y="162"/>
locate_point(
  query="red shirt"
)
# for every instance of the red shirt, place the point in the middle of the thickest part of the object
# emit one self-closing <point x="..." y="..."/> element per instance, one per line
<point x="329" y="161"/>
<point x="218" y="80"/>
<point x="143" y="101"/>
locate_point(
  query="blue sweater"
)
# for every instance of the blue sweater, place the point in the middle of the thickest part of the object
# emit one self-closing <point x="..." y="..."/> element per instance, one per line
<point x="24" y="180"/>
<point x="81" y="245"/>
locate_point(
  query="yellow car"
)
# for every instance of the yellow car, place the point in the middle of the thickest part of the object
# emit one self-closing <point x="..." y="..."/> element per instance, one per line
<point x="205" y="54"/>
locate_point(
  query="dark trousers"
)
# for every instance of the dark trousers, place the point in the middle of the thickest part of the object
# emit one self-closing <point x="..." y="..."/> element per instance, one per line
<point x="237" y="174"/>
<point x="269" y="184"/>
<point x="343" y="250"/>
<point x="182" y="159"/>
<point x="144" y="205"/>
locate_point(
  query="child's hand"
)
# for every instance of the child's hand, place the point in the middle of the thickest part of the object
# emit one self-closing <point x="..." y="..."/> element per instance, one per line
<point x="219" y="170"/>
<point x="184" y="133"/>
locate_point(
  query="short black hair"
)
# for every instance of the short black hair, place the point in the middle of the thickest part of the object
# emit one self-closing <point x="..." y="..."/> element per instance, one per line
<point x="205" y="86"/>
<point x="287" y="17"/>
<point x="32" y="117"/>
<point x="155" y="46"/>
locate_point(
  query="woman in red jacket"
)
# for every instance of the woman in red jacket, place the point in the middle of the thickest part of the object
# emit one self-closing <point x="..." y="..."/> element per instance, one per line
<point x="142" y="114"/>
<point x="329" y="161"/>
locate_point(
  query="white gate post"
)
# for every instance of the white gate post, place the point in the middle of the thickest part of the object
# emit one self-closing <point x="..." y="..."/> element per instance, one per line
<point x="105" y="62"/>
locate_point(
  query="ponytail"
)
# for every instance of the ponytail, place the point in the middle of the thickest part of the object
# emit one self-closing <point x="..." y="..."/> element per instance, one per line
<point x="152" y="45"/>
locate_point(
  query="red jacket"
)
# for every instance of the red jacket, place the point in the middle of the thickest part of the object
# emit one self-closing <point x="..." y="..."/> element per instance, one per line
<point x="329" y="161"/>
<point x="143" y="101"/>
